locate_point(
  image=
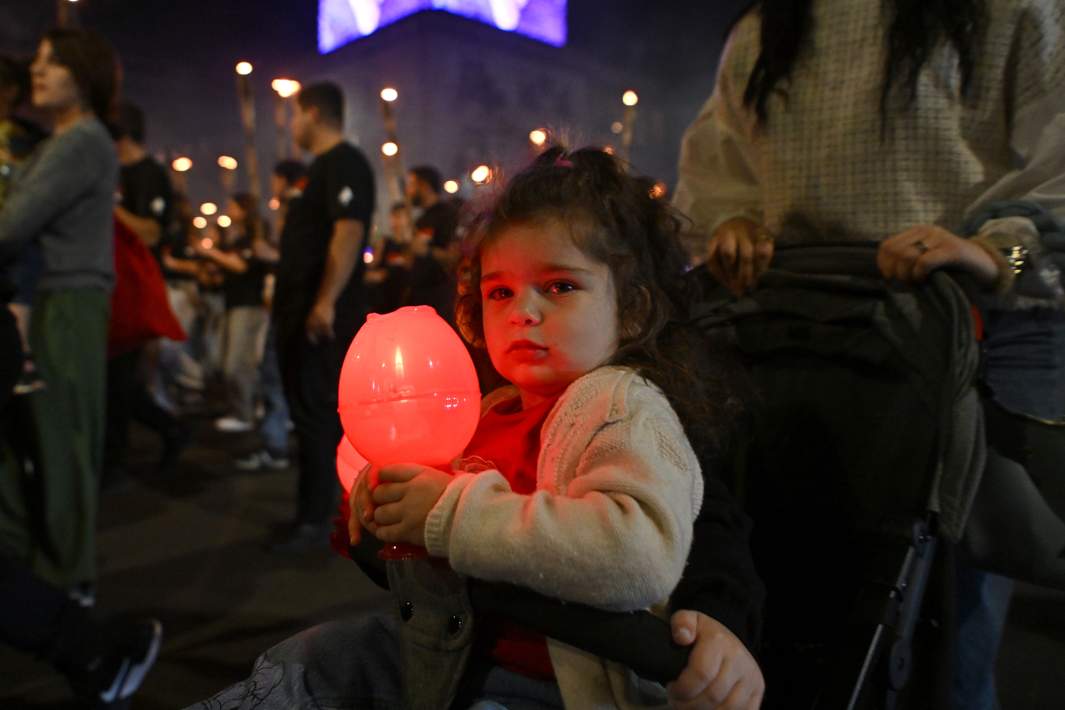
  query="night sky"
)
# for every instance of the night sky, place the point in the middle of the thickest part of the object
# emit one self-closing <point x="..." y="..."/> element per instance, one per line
<point x="178" y="55"/>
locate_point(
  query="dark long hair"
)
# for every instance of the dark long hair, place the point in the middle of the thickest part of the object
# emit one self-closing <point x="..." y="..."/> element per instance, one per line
<point x="253" y="221"/>
<point x="917" y="28"/>
<point x="93" y="63"/>
<point x="614" y="219"/>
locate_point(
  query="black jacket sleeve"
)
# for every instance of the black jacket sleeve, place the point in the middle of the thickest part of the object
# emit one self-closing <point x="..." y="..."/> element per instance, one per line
<point x="720" y="579"/>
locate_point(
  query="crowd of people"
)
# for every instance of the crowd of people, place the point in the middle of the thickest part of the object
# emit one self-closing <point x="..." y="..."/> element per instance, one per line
<point x="937" y="133"/>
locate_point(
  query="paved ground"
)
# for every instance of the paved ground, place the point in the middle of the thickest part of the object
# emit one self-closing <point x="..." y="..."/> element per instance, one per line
<point x="188" y="549"/>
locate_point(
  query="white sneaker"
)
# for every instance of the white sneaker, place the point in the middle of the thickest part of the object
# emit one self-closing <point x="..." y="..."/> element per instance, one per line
<point x="83" y="594"/>
<point x="232" y="424"/>
<point x="276" y="463"/>
<point x="261" y="459"/>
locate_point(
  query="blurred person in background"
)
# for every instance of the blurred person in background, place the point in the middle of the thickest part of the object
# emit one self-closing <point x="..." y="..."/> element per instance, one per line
<point x="434" y="248"/>
<point x="104" y="661"/>
<point x="244" y="274"/>
<point x="146" y="208"/>
<point x="179" y="377"/>
<point x="287" y="182"/>
<point x="388" y="276"/>
<point x="18" y="138"/>
<point x="320" y="302"/>
<point x="69" y="213"/>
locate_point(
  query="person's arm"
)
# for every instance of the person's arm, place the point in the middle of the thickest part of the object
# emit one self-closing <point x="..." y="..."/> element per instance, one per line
<point x="719" y="186"/>
<point x="69" y="165"/>
<point x="349" y="182"/>
<point x="1037" y="142"/>
<point x="265" y="251"/>
<point x="1037" y="115"/>
<point x="717" y="174"/>
<point x="182" y="266"/>
<point x="717" y="610"/>
<point x="616" y="536"/>
<point x="230" y="261"/>
<point x="345" y="250"/>
<point x="1012" y="241"/>
<point x="146" y="228"/>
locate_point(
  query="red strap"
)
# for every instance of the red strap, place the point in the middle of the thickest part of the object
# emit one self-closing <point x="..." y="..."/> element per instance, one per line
<point x="978" y="323"/>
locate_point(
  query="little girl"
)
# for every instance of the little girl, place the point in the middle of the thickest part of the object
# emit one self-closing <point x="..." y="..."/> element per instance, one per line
<point x="586" y="481"/>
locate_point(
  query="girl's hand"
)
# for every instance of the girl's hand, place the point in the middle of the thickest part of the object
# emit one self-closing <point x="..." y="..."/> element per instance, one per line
<point x="721" y="673"/>
<point x="404" y="495"/>
<point x="914" y="254"/>
<point x="361" y="505"/>
<point x="738" y="253"/>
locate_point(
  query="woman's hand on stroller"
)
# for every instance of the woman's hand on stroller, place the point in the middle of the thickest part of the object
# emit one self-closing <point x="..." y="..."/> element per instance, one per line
<point x="738" y="253"/>
<point x="912" y="255"/>
<point x="721" y="673"/>
<point x="402" y="499"/>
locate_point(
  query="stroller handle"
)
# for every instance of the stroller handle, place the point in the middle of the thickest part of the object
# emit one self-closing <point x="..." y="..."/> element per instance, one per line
<point x="638" y="640"/>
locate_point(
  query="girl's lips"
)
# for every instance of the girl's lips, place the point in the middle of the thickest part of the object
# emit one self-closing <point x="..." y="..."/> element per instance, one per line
<point x="527" y="355"/>
<point x="526" y="351"/>
<point x="524" y="345"/>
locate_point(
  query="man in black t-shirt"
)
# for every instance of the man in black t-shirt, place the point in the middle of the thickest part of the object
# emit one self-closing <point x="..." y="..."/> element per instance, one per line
<point x="147" y="198"/>
<point x="319" y="300"/>
<point x="434" y="248"/>
<point x="145" y="207"/>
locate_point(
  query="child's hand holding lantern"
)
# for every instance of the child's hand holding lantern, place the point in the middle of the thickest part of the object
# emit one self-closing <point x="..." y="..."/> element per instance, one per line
<point x="404" y="495"/>
<point x="408" y="393"/>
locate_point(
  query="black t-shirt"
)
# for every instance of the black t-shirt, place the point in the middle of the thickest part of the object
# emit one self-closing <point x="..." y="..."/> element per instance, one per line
<point x="340" y="185"/>
<point x="176" y="242"/>
<point x="146" y="190"/>
<point x="245" y="288"/>
<point x="388" y="295"/>
<point x="441" y="219"/>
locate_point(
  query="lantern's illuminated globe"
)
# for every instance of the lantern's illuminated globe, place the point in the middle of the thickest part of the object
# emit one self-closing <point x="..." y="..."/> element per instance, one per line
<point x="349" y="464"/>
<point x="408" y="390"/>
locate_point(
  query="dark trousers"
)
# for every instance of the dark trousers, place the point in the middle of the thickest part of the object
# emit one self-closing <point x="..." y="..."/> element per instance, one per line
<point x="128" y="398"/>
<point x="36" y="617"/>
<point x="48" y="520"/>
<point x="310" y="374"/>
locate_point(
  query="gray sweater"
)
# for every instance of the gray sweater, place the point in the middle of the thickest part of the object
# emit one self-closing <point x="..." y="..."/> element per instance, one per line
<point x="64" y="199"/>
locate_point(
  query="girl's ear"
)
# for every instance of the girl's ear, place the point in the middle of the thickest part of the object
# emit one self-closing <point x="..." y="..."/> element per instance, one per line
<point x="637" y="309"/>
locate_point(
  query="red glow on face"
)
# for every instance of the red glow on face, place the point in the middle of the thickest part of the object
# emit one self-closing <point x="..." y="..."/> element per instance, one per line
<point x="408" y="390"/>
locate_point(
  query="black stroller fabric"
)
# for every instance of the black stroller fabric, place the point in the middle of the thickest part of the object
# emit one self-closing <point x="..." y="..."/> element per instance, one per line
<point x="866" y="425"/>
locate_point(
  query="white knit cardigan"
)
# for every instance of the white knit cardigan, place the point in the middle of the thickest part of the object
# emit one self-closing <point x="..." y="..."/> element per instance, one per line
<point x="610" y="524"/>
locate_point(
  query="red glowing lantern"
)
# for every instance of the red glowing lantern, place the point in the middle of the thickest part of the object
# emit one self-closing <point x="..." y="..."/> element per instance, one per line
<point x="408" y="390"/>
<point x="349" y="464"/>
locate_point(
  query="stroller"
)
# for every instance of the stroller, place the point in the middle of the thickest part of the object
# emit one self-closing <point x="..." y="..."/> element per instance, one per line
<point x="859" y="467"/>
<point x="864" y="451"/>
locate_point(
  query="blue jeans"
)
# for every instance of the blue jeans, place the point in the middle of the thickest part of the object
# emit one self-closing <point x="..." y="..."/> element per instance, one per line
<point x="354" y="664"/>
<point x="274" y="426"/>
<point x="983" y="602"/>
<point x="1025" y="361"/>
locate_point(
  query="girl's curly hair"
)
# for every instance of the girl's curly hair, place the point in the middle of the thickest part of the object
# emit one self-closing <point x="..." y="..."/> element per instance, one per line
<point x="615" y="219"/>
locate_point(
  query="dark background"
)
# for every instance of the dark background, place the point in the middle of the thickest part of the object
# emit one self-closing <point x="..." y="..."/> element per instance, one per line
<point x="178" y="59"/>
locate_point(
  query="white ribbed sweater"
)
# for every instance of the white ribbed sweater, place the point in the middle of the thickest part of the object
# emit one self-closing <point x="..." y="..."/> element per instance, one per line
<point x="610" y="524"/>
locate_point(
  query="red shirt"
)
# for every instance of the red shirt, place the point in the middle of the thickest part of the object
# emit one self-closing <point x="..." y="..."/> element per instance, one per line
<point x="508" y="440"/>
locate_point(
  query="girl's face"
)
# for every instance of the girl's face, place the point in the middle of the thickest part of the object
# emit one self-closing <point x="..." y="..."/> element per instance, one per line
<point x="549" y="311"/>
<point x="54" y="87"/>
